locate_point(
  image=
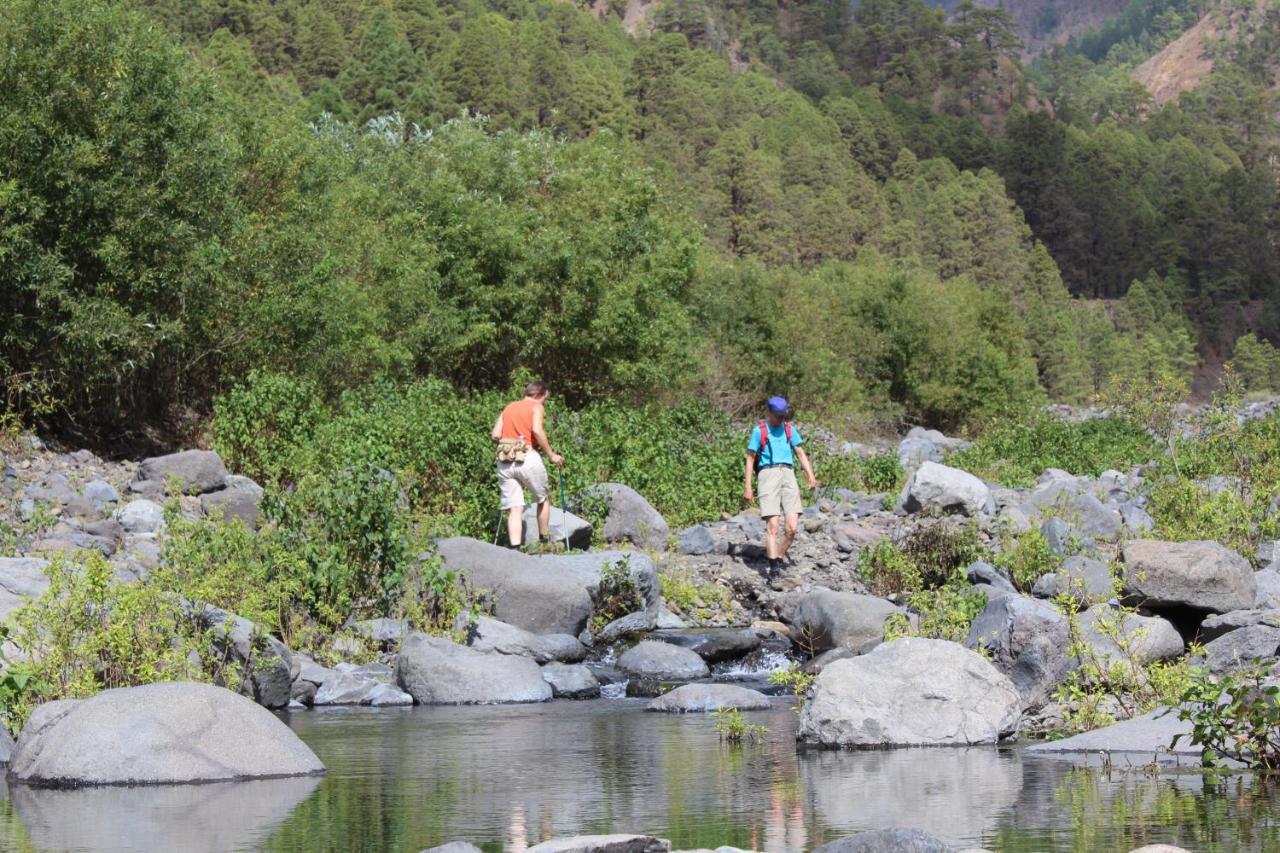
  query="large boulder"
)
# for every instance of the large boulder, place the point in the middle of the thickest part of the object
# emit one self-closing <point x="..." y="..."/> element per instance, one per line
<point x="696" y="541"/>
<point x="826" y="619"/>
<point x="1200" y="575"/>
<point x="1224" y="623"/>
<point x="435" y="671"/>
<point x="549" y="594"/>
<point x="662" y="662"/>
<point x="490" y="635"/>
<point x="1118" y="636"/>
<point x="562" y="526"/>
<point x="1267" y="582"/>
<point x="631" y="518"/>
<point x="238" y="500"/>
<point x="710" y="697"/>
<point x="158" y="733"/>
<point x="1242" y="647"/>
<point x="345" y="688"/>
<point x="940" y="487"/>
<point x="258" y="665"/>
<point x="21" y="579"/>
<point x="1027" y="640"/>
<point x="193" y="471"/>
<point x="911" y="692"/>
<point x="886" y="841"/>
<point x="571" y="681"/>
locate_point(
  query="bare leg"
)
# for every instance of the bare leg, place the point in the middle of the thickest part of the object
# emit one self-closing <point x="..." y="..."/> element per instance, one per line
<point x="771" y="537"/>
<point x="515" y="526"/>
<point x="544" y="517"/>
<point x="793" y="524"/>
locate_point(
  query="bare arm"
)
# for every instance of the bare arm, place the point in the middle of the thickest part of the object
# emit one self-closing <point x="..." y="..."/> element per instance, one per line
<point x="496" y="435"/>
<point x="540" y="437"/>
<point x="749" y="467"/>
<point x="808" y="468"/>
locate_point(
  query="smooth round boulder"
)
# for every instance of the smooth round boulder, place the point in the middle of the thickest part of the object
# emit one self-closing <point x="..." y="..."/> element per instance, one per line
<point x="170" y="732"/>
<point x="571" y="681"/>
<point x="194" y="472"/>
<point x="828" y="619"/>
<point x="940" y="487"/>
<point x="692" y="698"/>
<point x="1145" y="639"/>
<point x="910" y="692"/>
<point x="886" y="841"/>
<point x="1200" y="575"/>
<point x="141" y="516"/>
<point x="1028" y="641"/>
<point x="662" y="662"/>
<point x="435" y="671"/>
<point x="631" y="518"/>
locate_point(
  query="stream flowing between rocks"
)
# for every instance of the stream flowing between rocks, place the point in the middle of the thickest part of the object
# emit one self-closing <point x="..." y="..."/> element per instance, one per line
<point x="507" y="777"/>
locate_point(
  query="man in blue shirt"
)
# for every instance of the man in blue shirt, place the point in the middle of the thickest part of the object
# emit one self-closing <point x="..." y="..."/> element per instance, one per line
<point x="772" y="449"/>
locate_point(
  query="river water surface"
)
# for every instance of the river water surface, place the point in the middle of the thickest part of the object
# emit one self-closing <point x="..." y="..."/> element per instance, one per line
<point x="507" y="777"/>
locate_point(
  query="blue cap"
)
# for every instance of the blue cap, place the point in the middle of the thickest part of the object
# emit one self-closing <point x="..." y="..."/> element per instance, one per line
<point x="779" y="405"/>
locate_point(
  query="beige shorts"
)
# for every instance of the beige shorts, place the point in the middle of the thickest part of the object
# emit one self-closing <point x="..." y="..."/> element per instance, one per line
<point x="779" y="491"/>
<point x="515" y="477"/>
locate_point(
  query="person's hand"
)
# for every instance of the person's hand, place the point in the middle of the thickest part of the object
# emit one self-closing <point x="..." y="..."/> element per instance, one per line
<point x="813" y="482"/>
<point x="557" y="459"/>
<point x="748" y="496"/>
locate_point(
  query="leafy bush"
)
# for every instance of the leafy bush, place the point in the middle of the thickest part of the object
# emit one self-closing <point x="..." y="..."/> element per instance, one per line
<point x="940" y="548"/>
<point x="943" y="613"/>
<point x="689" y="595"/>
<point x="1015" y="451"/>
<point x="1235" y="717"/>
<point x="888" y="570"/>
<point x="1026" y="558"/>
<point x="616" y="596"/>
<point x="733" y="729"/>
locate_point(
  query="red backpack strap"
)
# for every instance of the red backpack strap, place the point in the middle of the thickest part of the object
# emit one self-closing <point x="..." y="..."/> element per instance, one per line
<point x="787" y="424"/>
<point x="764" y="440"/>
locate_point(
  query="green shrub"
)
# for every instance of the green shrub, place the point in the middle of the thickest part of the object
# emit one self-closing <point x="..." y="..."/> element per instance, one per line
<point x="733" y="729"/>
<point x="689" y="595"/>
<point x="1234" y="718"/>
<point x="942" y="613"/>
<point x="616" y="596"/>
<point x="940" y="548"/>
<point x="1014" y="452"/>
<point x="257" y="427"/>
<point x="887" y="570"/>
<point x="1026" y="558"/>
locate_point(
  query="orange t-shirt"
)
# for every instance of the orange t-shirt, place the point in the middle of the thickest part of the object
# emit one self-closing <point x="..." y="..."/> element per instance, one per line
<point x="517" y="420"/>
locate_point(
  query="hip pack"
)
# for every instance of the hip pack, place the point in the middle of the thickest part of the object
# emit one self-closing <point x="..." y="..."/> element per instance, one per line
<point x="512" y="450"/>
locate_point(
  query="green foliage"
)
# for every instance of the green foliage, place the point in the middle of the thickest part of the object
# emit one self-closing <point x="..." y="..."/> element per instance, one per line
<point x="733" y="729"/>
<point x="794" y="680"/>
<point x="257" y="425"/>
<point x="940" y="549"/>
<point x="1256" y="363"/>
<point x="945" y="612"/>
<point x="1234" y="718"/>
<point x="1015" y="451"/>
<point x="17" y="687"/>
<point x="1026" y="558"/>
<point x="616" y="596"/>
<point x="689" y="595"/>
<point x="887" y="570"/>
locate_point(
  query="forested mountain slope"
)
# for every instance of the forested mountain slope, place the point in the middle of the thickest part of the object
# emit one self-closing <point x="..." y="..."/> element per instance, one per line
<point x="879" y="214"/>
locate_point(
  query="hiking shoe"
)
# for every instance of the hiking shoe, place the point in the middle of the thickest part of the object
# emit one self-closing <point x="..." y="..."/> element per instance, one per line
<point x="775" y="568"/>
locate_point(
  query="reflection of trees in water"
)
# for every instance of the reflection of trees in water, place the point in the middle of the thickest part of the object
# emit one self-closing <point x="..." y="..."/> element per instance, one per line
<point x="1077" y="809"/>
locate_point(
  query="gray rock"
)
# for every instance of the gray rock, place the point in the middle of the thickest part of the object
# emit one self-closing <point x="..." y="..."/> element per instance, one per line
<point x="666" y="620"/>
<point x="910" y="692"/>
<point x="603" y="844"/>
<point x="1268" y="552"/>
<point x="940" y="487"/>
<point x="830" y="656"/>
<point x="21" y="579"/>
<point x="435" y="671"/>
<point x="100" y="491"/>
<point x="140" y="516"/>
<point x="6" y="745"/>
<point x="563" y="525"/>
<point x="491" y="635"/>
<point x="571" y="681"/>
<point x="1242" y="647"/>
<point x="1267" y="589"/>
<point x="825" y="619"/>
<point x="696" y="541"/>
<point x="158" y="733"/>
<point x="260" y="666"/>
<point x="886" y="841"/>
<point x="1087" y="580"/>
<point x="1146" y="638"/>
<point x="52" y="488"/>
<point x="1060" y="538"/>
<point x="543" y="594"/>
<point x="383" y="631"/>
<point x="376" y="670"/>
<point x="663" y="662"/>
<point x="1202" y="575"/>
<point x="1136" y="518"/>
<point x="721" y="646"/>
<point x="348" y="689"/>
<point x="1096" y="519"/>
<point x="193" y="471"/>
<point x="640" y="622"/>
<point x="913" y="451"/>
<point x="983" y="572"/>
<point x="1028" y="641"/>
<point x="152" y="490"/>
<point x="1224" y="623"/>
<point x="710" y="697"/>
<point x="239" y="500"/>
<point x="1149" y="734"/>
<point x="631" y="518"/>
<point x="454" y="847"/>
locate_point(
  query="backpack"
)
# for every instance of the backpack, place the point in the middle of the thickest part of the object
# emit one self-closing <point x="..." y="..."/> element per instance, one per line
<point x="764" y="439"/>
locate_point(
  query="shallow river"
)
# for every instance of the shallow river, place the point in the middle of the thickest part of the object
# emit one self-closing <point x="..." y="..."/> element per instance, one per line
<point x="508" y="777"/>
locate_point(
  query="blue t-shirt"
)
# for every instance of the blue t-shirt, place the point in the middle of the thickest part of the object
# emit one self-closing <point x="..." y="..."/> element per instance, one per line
<point x="779" y="451"/>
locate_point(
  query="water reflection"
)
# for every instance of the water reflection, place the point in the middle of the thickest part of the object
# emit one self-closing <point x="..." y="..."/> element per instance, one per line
<point x="509" y="777"/>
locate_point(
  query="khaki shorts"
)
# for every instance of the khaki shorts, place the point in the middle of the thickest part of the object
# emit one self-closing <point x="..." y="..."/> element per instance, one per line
<point x="779" y="491"/>
<point x="515" y="477"/>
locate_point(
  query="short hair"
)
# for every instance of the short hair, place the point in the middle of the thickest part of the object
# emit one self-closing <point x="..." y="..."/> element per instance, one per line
<point x="535" y="389"/>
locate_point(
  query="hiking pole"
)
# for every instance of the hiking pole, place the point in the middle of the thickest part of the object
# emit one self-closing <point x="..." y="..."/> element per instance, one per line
<point x="497" y="528"/>
<point x="564" y="511"/>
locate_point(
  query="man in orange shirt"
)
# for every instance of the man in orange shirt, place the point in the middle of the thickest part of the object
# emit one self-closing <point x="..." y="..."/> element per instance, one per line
<point x="519" y="432"/>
